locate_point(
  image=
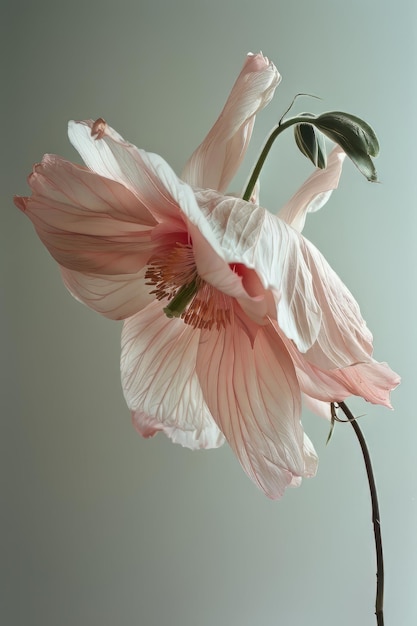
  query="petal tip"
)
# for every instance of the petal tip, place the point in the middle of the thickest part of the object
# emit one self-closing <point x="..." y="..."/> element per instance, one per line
<point x="21" y="202"/>
<point x="99" y="128"/>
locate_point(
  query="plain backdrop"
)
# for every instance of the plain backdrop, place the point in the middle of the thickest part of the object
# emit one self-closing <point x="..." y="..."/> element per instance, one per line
<point x="101" y="527"/>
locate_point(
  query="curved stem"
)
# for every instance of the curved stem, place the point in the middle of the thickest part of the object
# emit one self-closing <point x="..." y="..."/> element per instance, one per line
<point x="265" y="150"/>
<point x="379" y="600"/>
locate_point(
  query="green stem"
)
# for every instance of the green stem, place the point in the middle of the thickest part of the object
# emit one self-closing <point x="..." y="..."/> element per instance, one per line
<point x="379" y="601"/>
<point x="268" y="145"/>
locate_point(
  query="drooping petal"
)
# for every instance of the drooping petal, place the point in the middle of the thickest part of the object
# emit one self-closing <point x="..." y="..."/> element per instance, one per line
<point x="169" y="199"/>
<point x="344" y="338"/>
<point x="369" y="380"/>
<point x="216" y="271"/>
<point x="159" y="380"/>
<point x="314" y="308"/>
<point x="251" y="236"/>
<point x="145" y="174"/>
<point x="319" y="407"/>
<point x="314" y="193"/>
<point x="253" y="394"/>
<point x="87" y="222"/>
<point x="216" y="160"/>
<point x="116" y="297"/>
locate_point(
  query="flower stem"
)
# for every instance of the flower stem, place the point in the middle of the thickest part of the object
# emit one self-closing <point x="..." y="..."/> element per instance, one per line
<point x="268" y="145"/>
<point x="379" y="600"/>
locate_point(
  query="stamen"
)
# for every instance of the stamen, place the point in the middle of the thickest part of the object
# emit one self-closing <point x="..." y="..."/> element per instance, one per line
<point x="209" y="308"/>
<point x="174" y="275"/>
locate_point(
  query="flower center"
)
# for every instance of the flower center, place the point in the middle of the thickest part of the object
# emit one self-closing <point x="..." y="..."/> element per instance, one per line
<point x="174" y="275"/>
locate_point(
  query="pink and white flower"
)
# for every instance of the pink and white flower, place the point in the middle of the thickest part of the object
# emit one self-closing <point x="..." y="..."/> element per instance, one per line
<point x="230" y="313"/>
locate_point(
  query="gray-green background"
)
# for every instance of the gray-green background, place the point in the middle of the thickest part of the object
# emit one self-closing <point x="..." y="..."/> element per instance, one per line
<point x="100" y="527"/>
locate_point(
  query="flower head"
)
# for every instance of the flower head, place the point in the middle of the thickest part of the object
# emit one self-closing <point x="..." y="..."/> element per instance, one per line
<point x="230" y="313"/>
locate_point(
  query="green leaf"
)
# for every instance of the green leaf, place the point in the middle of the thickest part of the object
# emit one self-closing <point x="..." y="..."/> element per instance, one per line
<point x="354" y="135"/>
<point x="333" y="419"/>
<point x="351" y="124"/>
<point x="311" y="143"/>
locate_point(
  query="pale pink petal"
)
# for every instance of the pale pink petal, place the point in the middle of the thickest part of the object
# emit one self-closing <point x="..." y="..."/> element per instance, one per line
<point x="344" y="338"/>
<point x="310" y="462"/>
<point x="315" y="192"/>
<point x="252" y="392"/>
<point x="167" y="197"/>
<point x="310" y="457"/>
<point x="169" y="200"/>
<point x="251" y="236"/>
<point x="313" y="306"/>
<point x="216" y="271"/>
<point x="87" y="222"/>
<point x="369" y="380"/>
<point x="159" y="380"/>
<point x="218" y="157"/>
<point x="116" y="296"/>
<point x="319" y="407"/>
<point x="146" y="175"/>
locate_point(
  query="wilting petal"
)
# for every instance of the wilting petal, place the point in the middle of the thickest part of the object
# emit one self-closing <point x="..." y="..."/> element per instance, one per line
<point x="251" y="236"/>
<point x="116" y="297"/>
<point x="310" y="462"/>
<point x="253" y="394"/>
<point x="319" y="407"/>
<point x="159" y="380"/>
<point x="217" y="159"/>
<point x="167" y="197"/>
<point x="87" y="222"/>
<point x="216" y="271"/>
<point x="310" y="457"/>
<point x="147" y="175"/>
<point x="314" y="193"/>
<point x="369" y="380"/>
<point x="314" y="308"/>
<point x="344" y="338"/>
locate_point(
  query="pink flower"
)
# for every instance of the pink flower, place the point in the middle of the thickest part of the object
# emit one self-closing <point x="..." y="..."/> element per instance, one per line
<point x="230" y="314"/>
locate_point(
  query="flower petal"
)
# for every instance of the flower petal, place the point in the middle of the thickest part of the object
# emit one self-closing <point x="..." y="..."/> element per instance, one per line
<point x="145" y="174"/>
<point x="87" y="222"/>
<point x="369" y="380"/>
<point x="216" y="271"/>
<point x="310" y="462"/>
<point x="216" y="160"/>
<point x="169" y="199"/>
<point x="344" y="338"/>
<point x="251" y="236"/>
<point x="319" y="407"/>
<point x="314" y="308"/>
<point x="253" y="394"/>
<point x="159" y="380"/>
<point x="116" y="297"/>
<point x="315" y="192"/>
